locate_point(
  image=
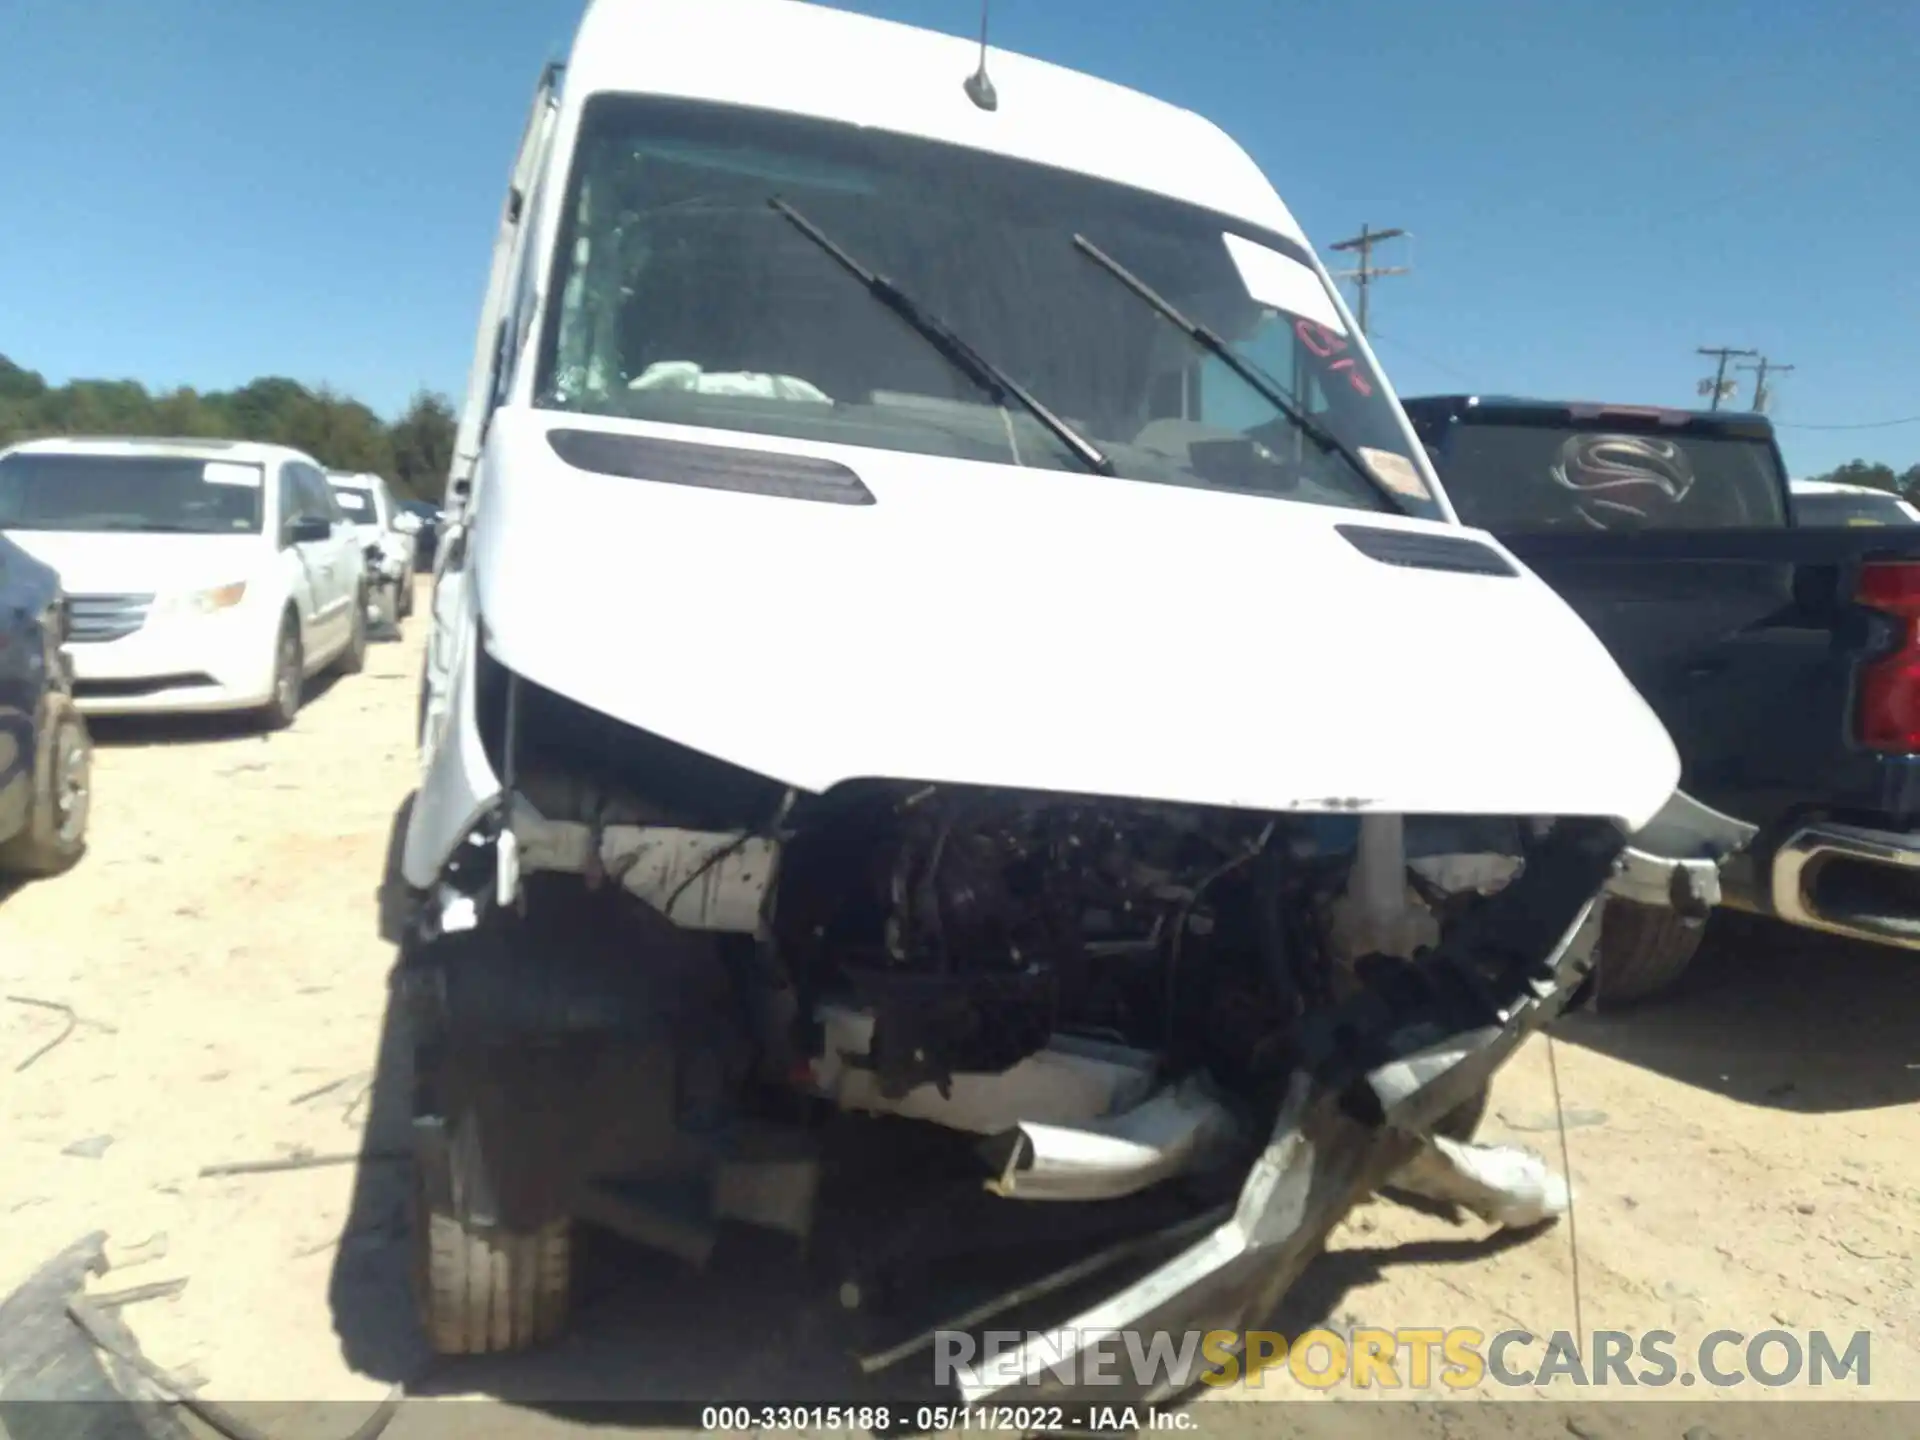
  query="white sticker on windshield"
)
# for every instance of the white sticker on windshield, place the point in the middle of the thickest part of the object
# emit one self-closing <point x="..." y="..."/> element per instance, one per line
<point x="349" y="501"/>
<point x="1396" y="472"/>
<point x="225" y="472"/>
<point x="1282" y="282"/>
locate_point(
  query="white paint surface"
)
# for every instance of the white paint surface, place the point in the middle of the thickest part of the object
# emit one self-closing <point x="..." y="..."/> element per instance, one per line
<point x="894" y="77"/>
<point x="970" y="628"/>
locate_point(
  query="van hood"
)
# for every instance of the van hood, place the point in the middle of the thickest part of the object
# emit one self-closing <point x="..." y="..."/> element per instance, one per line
<point x="92" y="562"/>
<point x="982" y="624"/>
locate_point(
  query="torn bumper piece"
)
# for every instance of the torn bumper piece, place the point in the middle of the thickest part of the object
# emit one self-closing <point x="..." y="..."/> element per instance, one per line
<point x="1687" y="887"/>
<point x="1182" y="1128"/>
<point x="1674" y="861"/>
<point x="1377" y="1074"/>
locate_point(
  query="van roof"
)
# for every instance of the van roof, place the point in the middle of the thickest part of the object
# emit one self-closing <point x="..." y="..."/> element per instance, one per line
<point x="1838" y="487"/>
<point x="183" y="446"/>
<point x="812" y="60"/>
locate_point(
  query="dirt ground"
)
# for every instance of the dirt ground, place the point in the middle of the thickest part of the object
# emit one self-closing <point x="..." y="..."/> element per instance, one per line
<point x="1745" y="1157"/>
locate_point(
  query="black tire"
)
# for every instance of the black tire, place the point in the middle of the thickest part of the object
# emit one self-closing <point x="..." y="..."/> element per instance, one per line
<point x="488" y="1291"/>
<point x="405" y="610"/>
<point x="353" y="659"/>
<point x="289" y="677"/>
<point x="55" y="836"/>
<point x="1643" y="953"/>
<point x="1463" y="1122"/>
<point x="479" y="1288"/>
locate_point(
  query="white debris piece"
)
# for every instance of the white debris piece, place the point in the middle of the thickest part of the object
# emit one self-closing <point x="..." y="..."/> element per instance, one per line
<point x="1502" y="1184"/>
<point x="1072" y="1081"/>
<point x="1180" y="1129"/>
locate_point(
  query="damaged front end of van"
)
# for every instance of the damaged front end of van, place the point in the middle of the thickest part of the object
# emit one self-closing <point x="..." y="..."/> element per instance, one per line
<point x="1182" y="1003"/>
<point x="961" y="737"/>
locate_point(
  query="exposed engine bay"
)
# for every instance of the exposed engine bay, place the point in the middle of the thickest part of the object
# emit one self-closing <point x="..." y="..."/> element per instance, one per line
<point x="1091" y="956"/>
<point x="1116" y="990"/>
<point x="1119" y="1007"/>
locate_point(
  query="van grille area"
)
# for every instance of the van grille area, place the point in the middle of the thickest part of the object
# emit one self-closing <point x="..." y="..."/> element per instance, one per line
<point x="99" y="618"/>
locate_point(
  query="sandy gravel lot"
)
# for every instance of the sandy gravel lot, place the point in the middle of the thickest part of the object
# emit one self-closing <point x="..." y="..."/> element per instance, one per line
<point x="1746" y="1157"/>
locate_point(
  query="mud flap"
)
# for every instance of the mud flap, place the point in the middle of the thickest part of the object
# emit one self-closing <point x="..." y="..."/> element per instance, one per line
<point x="54" y="1384"/>
<point x="1376" y="1074"/>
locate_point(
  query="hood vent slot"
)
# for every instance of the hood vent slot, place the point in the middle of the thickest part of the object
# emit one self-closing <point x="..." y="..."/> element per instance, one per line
<point x="711" y="467"/>
<point x="1423" y="551"/>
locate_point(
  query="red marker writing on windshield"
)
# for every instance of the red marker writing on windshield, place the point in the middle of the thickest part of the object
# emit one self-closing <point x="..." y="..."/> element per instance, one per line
<point x="1323" y="342"/>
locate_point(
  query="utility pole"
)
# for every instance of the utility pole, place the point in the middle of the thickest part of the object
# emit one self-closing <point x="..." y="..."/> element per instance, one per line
<point x="1718" y="387"/>
<point x="1760" y="372"/>
<point x="1364" y="274"/>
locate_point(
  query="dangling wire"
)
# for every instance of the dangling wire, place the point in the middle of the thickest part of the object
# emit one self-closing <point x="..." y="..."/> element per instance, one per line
<point x="1566" y="1171"/>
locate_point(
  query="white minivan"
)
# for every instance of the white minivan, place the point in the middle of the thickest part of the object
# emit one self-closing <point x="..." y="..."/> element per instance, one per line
<point x="387" y="539"/>
<point x="203" y="575"/>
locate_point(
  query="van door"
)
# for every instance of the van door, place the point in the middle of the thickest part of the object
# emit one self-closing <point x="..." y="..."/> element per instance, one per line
<point x="338" y="555"/>
<point x="492" y="338"/>
<point x="297" y="562"/>
<point x="505" y="313"/>
<point x="317" y="561"/>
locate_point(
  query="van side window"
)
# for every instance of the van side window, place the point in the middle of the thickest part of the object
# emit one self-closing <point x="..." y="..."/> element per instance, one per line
<point x="329" y="501"/>
<point x="315" y="495"/>
<point x="288" y="489"/>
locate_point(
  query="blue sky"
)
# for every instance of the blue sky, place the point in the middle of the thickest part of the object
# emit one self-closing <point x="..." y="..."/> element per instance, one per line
<point x="201" y="191"/>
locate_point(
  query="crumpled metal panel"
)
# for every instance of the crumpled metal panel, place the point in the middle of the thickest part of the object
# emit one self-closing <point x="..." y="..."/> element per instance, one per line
<point x="1378" y="1072"/>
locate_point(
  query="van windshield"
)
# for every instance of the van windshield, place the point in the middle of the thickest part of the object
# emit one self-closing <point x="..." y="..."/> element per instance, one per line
<point x="152" y="493"/>
<point x="683" y="296"/>
<point x="358" y="503"/>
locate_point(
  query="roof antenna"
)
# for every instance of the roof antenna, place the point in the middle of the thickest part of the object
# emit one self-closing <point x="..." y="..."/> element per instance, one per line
<point x="978" y="87"/>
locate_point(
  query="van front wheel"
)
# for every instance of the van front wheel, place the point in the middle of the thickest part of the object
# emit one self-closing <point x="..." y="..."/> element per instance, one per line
<point x="488" y="1291"/>
<point x="289" y="677"/>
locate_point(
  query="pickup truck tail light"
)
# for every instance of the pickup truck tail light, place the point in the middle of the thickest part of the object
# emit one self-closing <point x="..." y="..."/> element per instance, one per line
<point x="1887" y="707"/>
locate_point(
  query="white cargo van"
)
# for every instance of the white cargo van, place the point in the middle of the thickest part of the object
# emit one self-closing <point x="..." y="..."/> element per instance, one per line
<point x="940" y="617"/>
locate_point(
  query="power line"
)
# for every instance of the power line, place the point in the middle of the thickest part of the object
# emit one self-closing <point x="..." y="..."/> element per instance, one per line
<point x="1719" y="387"/>
<point x="1364" y="274"/>
<point x="1760" y="392"/>
<point x="1867" y="425"/>
<point x="1427" y="359"/>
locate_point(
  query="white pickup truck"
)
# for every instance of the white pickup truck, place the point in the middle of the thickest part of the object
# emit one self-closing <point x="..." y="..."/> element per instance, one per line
<point x="940" y="616"/>
<point x="1833" y="502"/>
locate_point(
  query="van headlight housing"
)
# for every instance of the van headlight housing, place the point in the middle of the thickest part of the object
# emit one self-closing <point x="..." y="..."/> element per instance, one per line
<point x="203" y="602"/>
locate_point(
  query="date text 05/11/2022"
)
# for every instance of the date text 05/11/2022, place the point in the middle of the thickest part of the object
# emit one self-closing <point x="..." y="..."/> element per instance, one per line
<point x="939" y="1419"/>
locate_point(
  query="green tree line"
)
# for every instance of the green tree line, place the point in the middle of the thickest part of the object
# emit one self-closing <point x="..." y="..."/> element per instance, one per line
<point x="412" y="452"/>
<point x="1882" y="477"/>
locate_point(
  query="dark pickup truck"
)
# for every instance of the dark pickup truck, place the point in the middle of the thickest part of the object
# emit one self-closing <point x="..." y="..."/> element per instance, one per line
<point x="1783" y="657"/>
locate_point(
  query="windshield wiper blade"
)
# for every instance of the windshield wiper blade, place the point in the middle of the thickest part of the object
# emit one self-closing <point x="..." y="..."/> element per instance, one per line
<point x="1211" y="342"/>
<point x="982" y="371"/>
